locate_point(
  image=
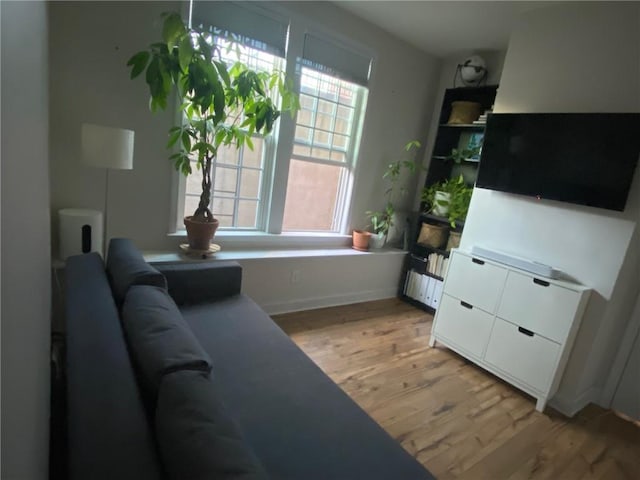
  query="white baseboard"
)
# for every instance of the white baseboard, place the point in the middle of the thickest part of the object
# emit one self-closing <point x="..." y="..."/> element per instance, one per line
<point x="570" y="407"/>
<point x="330" y="301"/>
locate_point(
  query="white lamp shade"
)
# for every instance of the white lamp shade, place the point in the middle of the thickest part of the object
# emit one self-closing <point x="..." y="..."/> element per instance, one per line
<point x="107" y="147"/>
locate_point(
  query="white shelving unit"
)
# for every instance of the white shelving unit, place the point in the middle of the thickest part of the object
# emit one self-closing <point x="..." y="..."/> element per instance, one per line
<point x="514" y="324"/>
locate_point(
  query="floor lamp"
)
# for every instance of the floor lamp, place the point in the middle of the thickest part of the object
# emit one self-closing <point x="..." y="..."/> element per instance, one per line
<point x="111" y="149"/>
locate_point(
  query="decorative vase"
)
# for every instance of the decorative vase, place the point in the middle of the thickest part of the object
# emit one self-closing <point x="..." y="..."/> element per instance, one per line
<point x="377" y="240"/>
<point x="199" y="234"/>
<point x="464" y="112"/>
<point x="433" y="235"/>
<point x="441" y="204"/>
<point x="361" y="240"/>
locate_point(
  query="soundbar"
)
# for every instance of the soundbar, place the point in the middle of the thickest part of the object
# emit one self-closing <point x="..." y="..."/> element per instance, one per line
<point x="517" y="262"/>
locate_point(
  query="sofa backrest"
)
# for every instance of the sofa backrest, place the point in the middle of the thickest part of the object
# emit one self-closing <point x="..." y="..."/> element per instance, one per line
<point x="108" y="431"/>
<point x="126" y="267"/>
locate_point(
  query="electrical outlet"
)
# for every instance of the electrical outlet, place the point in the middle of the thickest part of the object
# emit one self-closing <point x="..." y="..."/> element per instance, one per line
<point x="295" y="276"/>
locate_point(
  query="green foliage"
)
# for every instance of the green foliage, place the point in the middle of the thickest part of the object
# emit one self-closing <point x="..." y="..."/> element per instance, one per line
<point x="221" y="104"/>
<point x="460" y="197"/>
<point x="459" y="155"/>
<point x="382" y="221"/>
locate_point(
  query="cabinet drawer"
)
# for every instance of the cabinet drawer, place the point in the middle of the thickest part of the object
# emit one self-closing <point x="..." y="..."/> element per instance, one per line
<point x="467" y="327"/>
<point x="539" y="306"/>
<point x="475" y="281"/>
<point x="530" y="358"/>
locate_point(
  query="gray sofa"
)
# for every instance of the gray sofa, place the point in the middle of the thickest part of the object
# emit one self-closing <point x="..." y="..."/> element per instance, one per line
<point x="176" y="374"/>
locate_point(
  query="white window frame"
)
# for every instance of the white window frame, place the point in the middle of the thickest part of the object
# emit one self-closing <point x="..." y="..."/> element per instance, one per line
<point x="279" y="150"/>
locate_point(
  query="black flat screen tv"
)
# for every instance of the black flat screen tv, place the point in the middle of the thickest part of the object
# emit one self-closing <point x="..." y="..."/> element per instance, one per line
<point x="582" y="158"/>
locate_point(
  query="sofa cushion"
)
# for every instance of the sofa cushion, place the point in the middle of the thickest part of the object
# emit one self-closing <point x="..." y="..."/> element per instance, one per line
<point x="159" y="339"/>
<point x="107" y="429"/>
<point x="126" y="267"/>
<point x="297" y="420"/>
<point x="196" y="436"/>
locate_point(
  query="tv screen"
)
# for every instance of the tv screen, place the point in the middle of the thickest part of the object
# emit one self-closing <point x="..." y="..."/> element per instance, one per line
<point x="583" y="158"/>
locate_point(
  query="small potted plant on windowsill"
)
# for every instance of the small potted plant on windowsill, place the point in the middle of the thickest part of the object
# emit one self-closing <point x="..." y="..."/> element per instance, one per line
<point x="382" y="221"/>
<point x="222" y="105"/>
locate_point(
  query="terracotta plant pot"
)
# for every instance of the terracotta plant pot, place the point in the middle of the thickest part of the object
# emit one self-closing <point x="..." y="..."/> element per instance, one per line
<point x="199" y="234"/>
<point x="361" y="240"/>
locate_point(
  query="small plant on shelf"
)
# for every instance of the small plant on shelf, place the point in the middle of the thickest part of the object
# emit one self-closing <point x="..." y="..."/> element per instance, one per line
<point x="449" y="198"/>
<point x="381" y="221"/>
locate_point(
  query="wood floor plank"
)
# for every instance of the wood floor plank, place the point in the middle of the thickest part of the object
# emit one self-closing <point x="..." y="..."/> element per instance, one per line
<point x="458" y="420"/>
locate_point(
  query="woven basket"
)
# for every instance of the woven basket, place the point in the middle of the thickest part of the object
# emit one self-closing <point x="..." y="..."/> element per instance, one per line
<point x="464" y="112"/>
<point x="433" y="235"/>
<point x="454" y="240"/>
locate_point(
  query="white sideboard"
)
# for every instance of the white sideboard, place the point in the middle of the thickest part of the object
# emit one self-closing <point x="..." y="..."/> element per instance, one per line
<point x="510" y="322"/>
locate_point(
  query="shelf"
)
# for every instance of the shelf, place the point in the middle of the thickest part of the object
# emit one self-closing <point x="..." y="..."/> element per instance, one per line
<point x="436" y="218"/>
<point x="418" y="304"/>
<point x="466" y="160"/>
<point x="479" y="126"/>
<point x="425" y="248"/>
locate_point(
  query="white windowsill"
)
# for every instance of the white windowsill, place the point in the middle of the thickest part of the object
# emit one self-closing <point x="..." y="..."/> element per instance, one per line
<point x="244" y="240"/>
<point x="169" y="257"/>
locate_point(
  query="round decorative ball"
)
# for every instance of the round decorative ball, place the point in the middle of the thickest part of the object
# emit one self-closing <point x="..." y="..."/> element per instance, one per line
<point x="473" y="69"/>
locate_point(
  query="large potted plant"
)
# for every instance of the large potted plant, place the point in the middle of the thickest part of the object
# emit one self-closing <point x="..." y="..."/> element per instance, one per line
<point x="381" y="221"/>
<point x="222" y="105"/>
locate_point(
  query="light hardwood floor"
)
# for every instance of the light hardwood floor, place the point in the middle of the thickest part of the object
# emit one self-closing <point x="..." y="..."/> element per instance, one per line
<point x="456" y="419"/>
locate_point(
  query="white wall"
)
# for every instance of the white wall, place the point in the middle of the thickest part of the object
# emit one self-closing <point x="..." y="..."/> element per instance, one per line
<point x="26" y="267"/>
<point x="97" y="89"/>
<point x="574" y="58"/>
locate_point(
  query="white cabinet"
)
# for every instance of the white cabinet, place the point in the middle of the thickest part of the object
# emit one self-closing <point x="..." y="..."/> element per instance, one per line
<point x="516" y="325"/>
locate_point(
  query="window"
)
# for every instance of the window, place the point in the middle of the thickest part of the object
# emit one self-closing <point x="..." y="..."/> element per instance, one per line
<point x="316" y="152"/>
<point x="322" y="161"/>
<point x="240" y="177"/>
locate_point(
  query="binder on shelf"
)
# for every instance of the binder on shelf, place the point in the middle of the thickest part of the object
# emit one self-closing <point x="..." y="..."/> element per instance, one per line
<point x="426" y="290"/>
<point x="437" y="294"/>
<point x="432" y="287"/>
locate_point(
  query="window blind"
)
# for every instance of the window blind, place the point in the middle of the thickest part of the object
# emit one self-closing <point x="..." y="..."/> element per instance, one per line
<point x="336" y="60"/>
<point x="245" y="23"/>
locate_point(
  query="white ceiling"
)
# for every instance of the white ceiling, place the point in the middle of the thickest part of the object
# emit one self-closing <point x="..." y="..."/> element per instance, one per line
<point x="443" y="28"/>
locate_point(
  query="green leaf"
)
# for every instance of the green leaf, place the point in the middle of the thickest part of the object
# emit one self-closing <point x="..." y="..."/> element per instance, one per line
<point x="172" y="29"/>
<point x="185" y="52"/>
<point x="186" y="140"/>
<point x="222" y="70"/>
<point x="139" y="62"/>
<point x="174" y="135"/>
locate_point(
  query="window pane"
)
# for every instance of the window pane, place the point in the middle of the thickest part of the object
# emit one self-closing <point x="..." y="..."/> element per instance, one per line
<point x="321" y="138"/>
<point x="190" y="205"/>
<point x="303" y="134"/>
<point x="247" y="213"/>
<point x="223" y="206"/>
<point x="303" y="151"/>
<point x="307" y="102"/>
<point x="194" y="181"/>
<point x="249" y="183"/>
<point x="254" y="158"/>
<point x="305" y="117"/>
<point x="323" y="121"/>
<point x="312" y="192"/>
<point x="227" y="155"/>
<point x="340" y="142"/>
<point x="342" y="126"/>
<point x="226" y="180"/>
<point x="225" y="220"/>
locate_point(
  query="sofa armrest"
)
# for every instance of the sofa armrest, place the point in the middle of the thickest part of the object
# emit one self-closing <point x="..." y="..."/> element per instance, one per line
<point x="190" y="283"/>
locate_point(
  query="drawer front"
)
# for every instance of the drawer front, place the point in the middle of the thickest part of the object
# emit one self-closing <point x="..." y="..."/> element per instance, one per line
<point x="538" y="306"/>
<point x="475" y="281"/>
<point x="531" y="359"/>
<point x="467" y="327"/>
